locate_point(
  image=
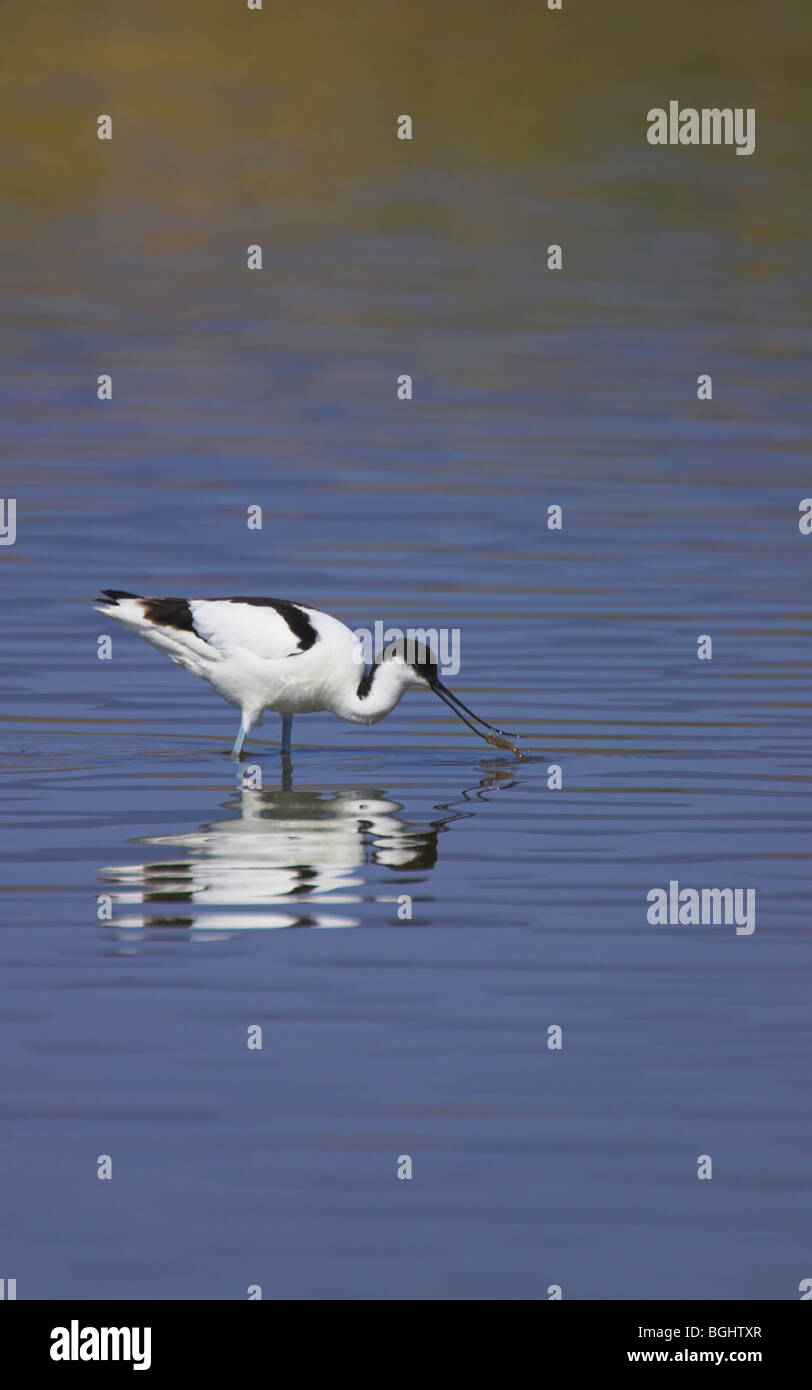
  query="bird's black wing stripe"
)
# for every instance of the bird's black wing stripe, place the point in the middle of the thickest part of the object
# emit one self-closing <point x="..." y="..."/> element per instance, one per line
<point x="116" y="594"/>
<point x="295" y="617"/>
<point x="169" y="612"/>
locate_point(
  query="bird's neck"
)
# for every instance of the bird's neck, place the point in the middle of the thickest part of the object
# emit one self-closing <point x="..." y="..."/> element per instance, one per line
<point x="366" y="697"/>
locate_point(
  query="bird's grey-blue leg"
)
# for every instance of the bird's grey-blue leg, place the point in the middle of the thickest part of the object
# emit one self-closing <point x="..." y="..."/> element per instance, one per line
<point x="240" y="739"/>
<point x="287" y="729"/>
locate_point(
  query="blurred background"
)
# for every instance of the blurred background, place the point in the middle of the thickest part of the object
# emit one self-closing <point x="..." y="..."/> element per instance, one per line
<point x="424" y="1036"/>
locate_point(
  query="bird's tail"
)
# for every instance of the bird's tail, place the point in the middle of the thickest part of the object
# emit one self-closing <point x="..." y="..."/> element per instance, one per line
<point x="112" y="597"/>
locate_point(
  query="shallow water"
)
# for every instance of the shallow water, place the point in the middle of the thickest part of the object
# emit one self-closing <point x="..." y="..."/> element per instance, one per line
<point x="425" y="1037"/>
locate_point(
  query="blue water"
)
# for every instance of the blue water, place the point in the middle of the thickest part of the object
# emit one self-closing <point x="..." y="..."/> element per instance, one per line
<point x="425" y="1037"/>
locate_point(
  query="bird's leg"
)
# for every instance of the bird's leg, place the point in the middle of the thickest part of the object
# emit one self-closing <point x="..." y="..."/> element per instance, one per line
<point x="287" y="729"/>
<point x="240" y="739"/>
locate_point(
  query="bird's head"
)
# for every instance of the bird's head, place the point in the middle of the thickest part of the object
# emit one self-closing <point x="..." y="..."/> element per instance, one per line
<point x="416" y="662"/>
<point x="418" y="671"/>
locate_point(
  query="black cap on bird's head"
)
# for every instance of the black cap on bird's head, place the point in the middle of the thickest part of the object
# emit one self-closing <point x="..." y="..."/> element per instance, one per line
<point x="423" y="665"/>
<point x="416" y="655"/>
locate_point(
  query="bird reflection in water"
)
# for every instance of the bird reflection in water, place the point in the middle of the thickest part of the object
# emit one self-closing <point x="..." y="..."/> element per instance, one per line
<point x="290" y="858"/>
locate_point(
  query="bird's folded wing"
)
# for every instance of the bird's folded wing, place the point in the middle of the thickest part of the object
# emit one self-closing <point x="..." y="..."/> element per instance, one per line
<point x="268" y="628"/>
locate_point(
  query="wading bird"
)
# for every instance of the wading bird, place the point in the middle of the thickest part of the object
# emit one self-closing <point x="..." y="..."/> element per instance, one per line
<point x="269" y="653"/>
